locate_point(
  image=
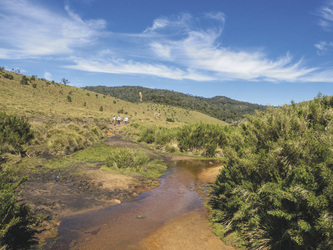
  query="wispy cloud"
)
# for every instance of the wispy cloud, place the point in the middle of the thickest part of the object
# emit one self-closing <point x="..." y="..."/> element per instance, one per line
<point x="197" y="54"/>
<point x="324" y="47"/>
<point x="30" y="30"/>
<point x="326" y="15"/>
<point x="177" y="47"/>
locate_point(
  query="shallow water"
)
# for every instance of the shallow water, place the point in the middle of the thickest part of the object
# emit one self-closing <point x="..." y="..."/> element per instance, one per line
<point x="123" y="226"/>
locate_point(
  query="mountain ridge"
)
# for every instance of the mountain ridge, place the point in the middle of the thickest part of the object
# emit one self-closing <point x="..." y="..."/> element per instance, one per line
<point x="220" y="107"/>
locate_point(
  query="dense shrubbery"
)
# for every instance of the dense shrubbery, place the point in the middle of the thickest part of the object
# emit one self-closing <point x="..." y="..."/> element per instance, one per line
<point x="276" y="190"/>
<point x="17" y="224"/>
<point x="14" y="132"/>
<point x="205" y="139"/>
<point x="202" y="136"/>
<point x="66" y="139"/>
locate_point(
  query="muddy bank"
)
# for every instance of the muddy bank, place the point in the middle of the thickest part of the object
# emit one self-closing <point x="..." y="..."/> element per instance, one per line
<point x="81" y="188"/>
<point x="135" y="224"/>
<point x="190" y="231"/>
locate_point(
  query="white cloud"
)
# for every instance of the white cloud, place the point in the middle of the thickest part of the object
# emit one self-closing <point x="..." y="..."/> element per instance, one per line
<point x="120" y="66"/>
<point x="326" y="14"/>
<point x="177" y="47"/>
<point x="324" y="47"/>
<point x="32" y="31"/>
<point x="48" y="76"/>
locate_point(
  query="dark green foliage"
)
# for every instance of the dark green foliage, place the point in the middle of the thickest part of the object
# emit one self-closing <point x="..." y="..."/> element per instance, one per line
<point x="276" y="190"/>
<point x="17" y="223"/>
<point x="69" y="98"/>
<point x="24" y="80"/>
<point x="14" y="132"/>
<point x="8" y="76"/>
<point x="101" y="108"/>
<point x="170" y="119"/>
<point x="84" y="104"/>
<point x="34" y="85"/>
<point x="120" y="111"/>
<point x="201" y="136"/>
<point x="220" y="107"/>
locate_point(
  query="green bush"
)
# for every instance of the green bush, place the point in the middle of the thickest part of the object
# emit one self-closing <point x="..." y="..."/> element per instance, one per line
<point x="276" y="189"/>
<point x="8" y="76"/>
<point x="147" y="135"/>
<point x="17" y="223"/>
<point x="14" y="132"/>
<point x="24" y="80"/>
<point x="201" y="136"/>
<point x="127" y="158"/>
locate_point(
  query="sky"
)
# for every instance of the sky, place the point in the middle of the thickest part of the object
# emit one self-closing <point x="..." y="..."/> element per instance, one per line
<point x="269" y="52"/>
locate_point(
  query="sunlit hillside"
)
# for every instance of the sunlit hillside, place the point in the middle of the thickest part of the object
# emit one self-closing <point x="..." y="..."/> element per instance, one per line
<point x="39" y="99"/>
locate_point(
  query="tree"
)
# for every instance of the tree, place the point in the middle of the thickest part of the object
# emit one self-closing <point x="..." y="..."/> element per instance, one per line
<point x="64" y="81"/>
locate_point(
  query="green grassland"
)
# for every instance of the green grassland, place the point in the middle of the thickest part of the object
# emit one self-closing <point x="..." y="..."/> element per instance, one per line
<point x="220" y="107"/>
<point x="43" y="100"/>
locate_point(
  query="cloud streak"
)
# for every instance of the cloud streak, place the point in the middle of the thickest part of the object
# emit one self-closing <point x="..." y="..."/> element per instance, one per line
<point x="326" y="15"/>
<point x="178" y="47"/>
<point x="33" y="31"/>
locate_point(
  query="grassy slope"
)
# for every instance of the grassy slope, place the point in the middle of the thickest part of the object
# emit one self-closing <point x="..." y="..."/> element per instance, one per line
<point x="49" y="101"/>
<point x="220" y="107"/>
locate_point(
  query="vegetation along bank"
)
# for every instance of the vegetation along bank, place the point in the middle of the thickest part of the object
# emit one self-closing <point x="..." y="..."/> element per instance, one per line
<point x="274" y="192"/>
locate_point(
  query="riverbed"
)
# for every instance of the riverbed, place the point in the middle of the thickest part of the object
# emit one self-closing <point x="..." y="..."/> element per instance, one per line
<point x="170" y="216"/>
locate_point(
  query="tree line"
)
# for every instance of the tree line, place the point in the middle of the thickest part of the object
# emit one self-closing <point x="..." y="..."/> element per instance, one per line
<point x="220" y="107"/>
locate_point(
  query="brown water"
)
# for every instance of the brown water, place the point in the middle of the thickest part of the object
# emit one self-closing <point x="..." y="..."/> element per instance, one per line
<point x="123" y="226"/>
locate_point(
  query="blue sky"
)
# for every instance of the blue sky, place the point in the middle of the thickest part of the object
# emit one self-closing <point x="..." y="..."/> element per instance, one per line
<point x="259" y="51"/>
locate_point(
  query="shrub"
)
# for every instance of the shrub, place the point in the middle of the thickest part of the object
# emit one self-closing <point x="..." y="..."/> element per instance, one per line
<point x="127" y="158"/>
<point x="69" y="98"/>
<point x="24" y="80"/>
<point x="276" y="188"/>
<point x="8" y="76"/>
<point x="170" y="119"/>
<point x="17" y="223"/>
<point x="101" y="108"/>
<point x="14" y="132"/>
<point x="147" y="135"/>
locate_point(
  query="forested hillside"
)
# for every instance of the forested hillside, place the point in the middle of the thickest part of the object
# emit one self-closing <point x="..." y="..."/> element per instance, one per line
<point x="220" y="107"/>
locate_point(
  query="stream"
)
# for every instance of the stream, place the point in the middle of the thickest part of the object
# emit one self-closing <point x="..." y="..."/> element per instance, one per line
<point x="123" y="226"/>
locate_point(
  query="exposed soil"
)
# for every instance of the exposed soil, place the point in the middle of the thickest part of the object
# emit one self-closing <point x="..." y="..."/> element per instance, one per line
<point x="190" y="231"/>
<point x="81" y="188"/>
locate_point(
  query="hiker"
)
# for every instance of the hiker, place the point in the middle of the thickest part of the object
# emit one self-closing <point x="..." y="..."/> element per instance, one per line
<point x="126" y="120"/>
<point x="119" y="119"/>
<point x="114" y="120"/>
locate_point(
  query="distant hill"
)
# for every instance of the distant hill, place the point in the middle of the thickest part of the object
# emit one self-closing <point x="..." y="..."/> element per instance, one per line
<point x="42" y="100"/>
<point x="220" y="107"/>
